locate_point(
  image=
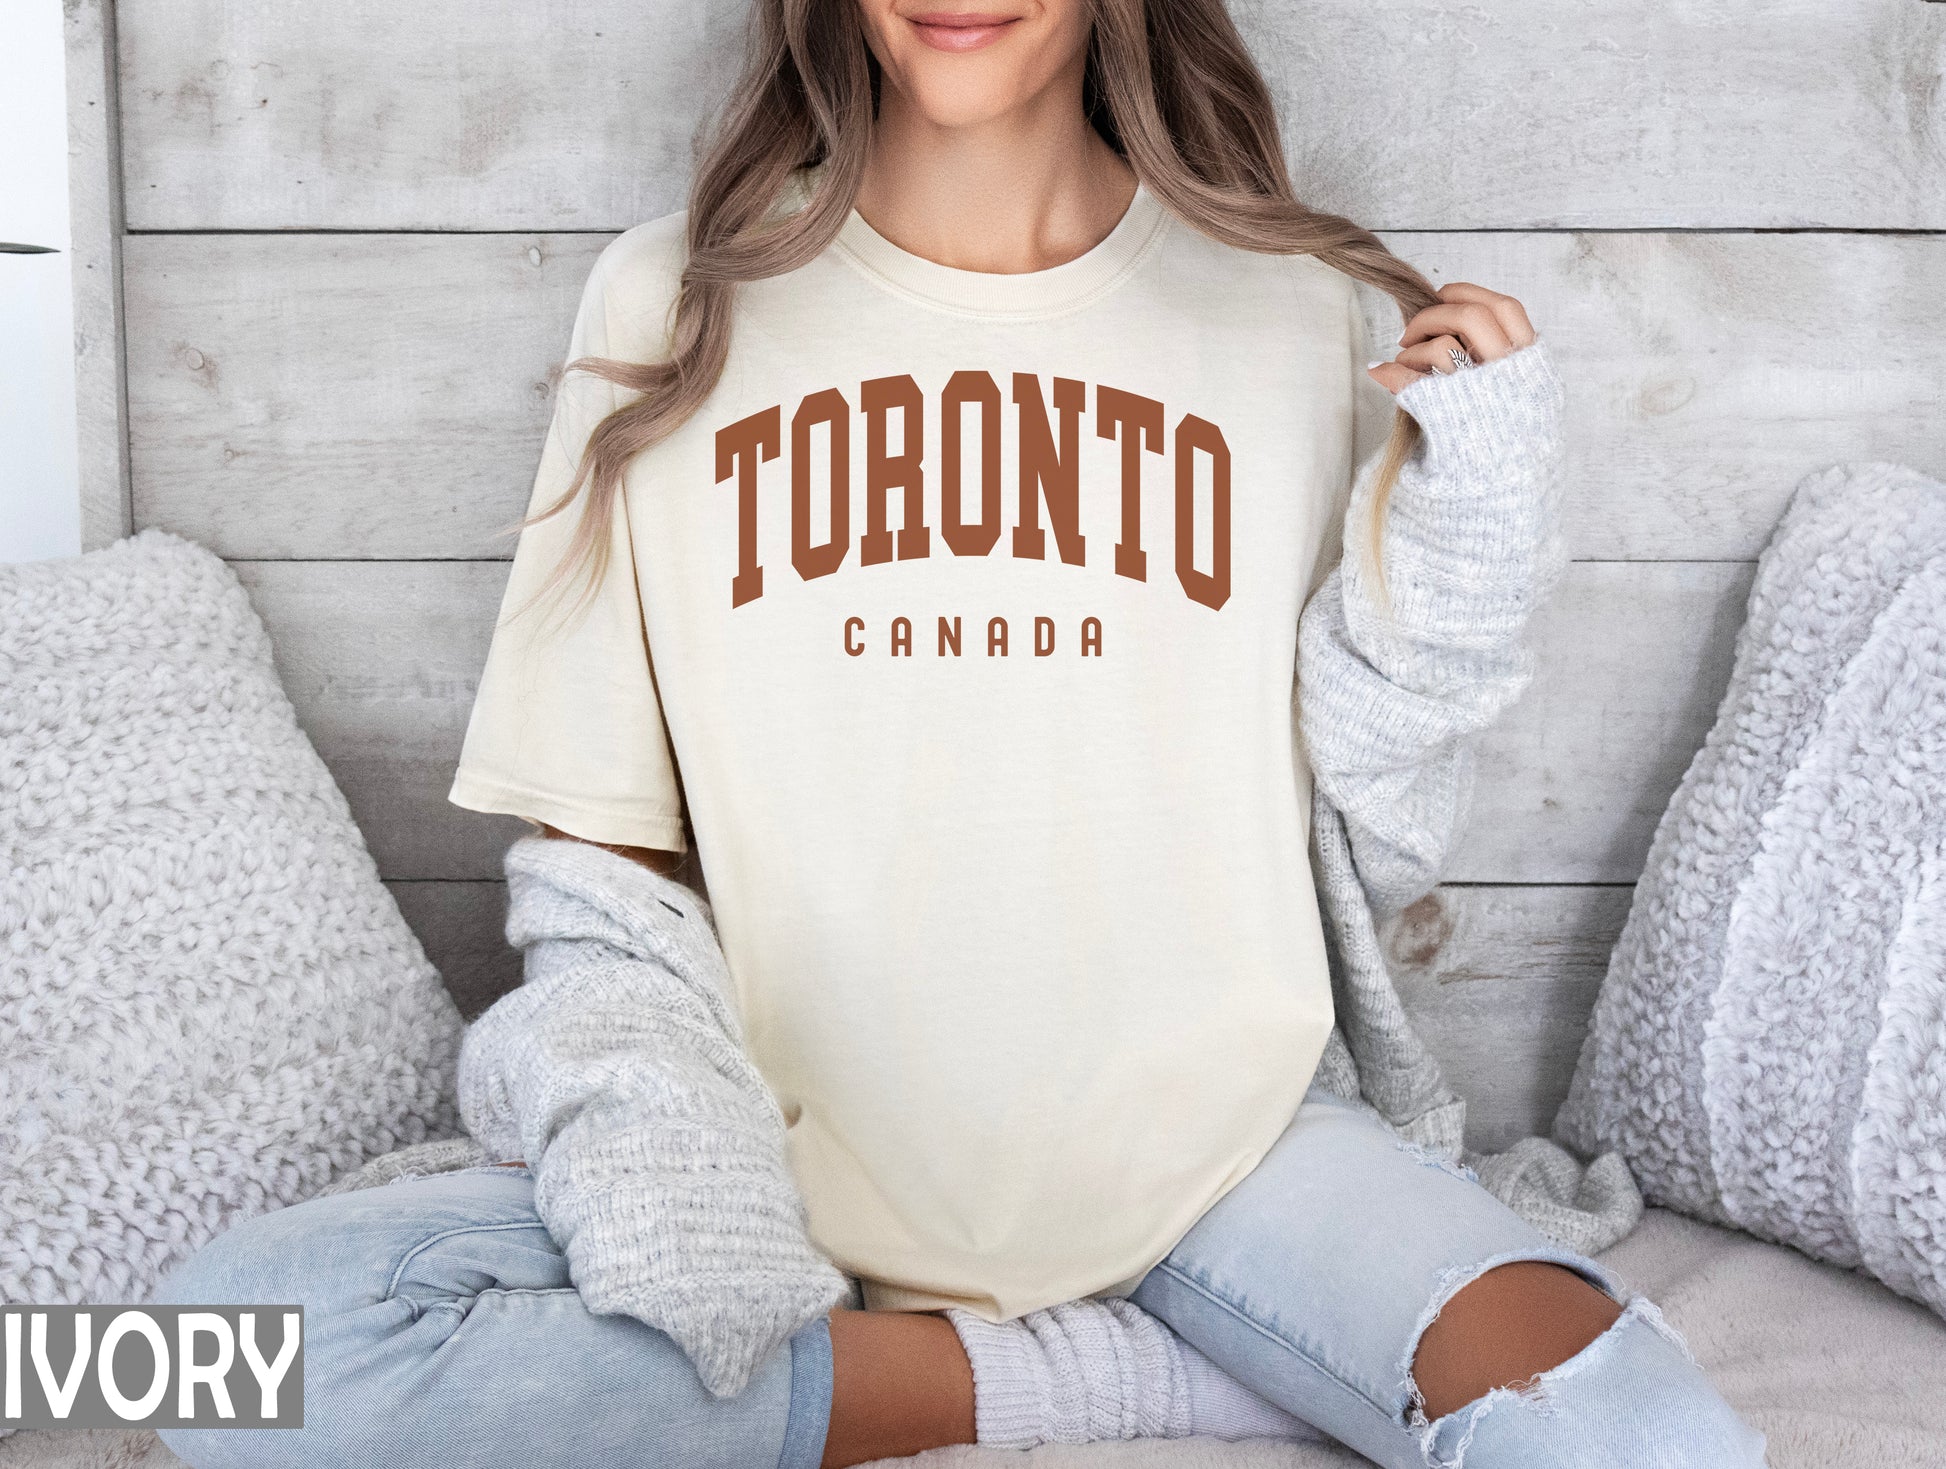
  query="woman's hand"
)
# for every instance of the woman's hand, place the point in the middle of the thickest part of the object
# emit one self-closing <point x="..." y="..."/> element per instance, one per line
<point x="1483" y="323"/>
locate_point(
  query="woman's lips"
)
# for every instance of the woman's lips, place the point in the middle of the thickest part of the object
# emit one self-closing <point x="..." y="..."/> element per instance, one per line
<point x="960" y="31"/>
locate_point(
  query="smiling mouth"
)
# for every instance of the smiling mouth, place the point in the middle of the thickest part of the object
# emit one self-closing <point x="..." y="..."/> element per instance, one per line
<point x="960" y="31"/>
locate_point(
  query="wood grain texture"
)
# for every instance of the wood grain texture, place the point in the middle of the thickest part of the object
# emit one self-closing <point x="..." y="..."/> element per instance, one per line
<point x="95" y="232"/>
<point x="1632" y="661"/>
<point x="1707" y="374"/>
<point x="377" y="396"/>
<point x="1500" y="981"/>
<point x="345" y="396"/>
<point x="448" y="114"/>
<point x="497" y="115"/>
<point x="462" y="926"/>
<point x="381" y="660"/>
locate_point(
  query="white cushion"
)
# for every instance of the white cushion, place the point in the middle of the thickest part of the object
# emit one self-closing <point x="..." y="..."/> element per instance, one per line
<point x="209" y="1003"/>
<point x="1769" y="1047"/>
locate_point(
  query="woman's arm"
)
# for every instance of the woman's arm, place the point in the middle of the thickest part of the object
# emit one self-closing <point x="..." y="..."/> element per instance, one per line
<point x="1393" y="680"/>
<point x="618" y="1071"/>
<point x="656" y="859"/>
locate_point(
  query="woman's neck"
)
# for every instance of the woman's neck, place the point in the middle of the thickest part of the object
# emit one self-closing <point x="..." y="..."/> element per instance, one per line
<point x="1025" y="191"/>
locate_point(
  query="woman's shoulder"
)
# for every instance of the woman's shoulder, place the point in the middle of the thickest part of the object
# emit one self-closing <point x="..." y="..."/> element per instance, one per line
<point x="1327" y="279"/>
<point x="646" y="261"/>
<point x="1232" y="288"/>
<point x="1367" y="307"/>
<point x="632" y="288"/>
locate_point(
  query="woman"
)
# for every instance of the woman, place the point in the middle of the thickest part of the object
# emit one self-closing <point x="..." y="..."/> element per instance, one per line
<point x="944" y="491"/>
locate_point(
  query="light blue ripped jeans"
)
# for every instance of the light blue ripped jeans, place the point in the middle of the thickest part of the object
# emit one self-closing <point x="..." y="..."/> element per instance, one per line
<point x="441" y="1328"/>
<point x="1312" y="1280"/>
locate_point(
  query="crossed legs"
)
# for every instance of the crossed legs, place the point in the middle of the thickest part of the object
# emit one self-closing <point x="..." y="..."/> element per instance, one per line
<point x="1388" y="1300"/>
<point x="902" y="1383"/>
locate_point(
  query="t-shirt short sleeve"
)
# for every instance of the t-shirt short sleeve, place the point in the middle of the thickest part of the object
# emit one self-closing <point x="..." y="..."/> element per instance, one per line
<point x="1373" y="407"/>
<point x="1372" y="412"/>
<point x="566" y="727"/>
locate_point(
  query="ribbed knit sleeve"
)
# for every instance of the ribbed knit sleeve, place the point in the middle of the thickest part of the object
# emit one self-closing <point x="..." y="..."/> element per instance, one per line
<point x="618" y="1072"/>
<point x="1392" y="683"/>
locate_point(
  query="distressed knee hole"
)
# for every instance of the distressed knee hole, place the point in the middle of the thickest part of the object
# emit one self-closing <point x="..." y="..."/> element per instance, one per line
<point x="1479" y="1345"/>
<point x="1443" y="1441"/>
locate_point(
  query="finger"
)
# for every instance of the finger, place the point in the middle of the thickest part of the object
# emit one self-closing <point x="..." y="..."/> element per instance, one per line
<point x="1393" y="376"/>
<point x="1472" y="322"/>
<point x="1477" y="328"/>
<point x="1511" y="315"/>
<point x="1433" y="356"/>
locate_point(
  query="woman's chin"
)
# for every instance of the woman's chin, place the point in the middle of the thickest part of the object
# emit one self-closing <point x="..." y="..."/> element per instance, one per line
<point x="961" y="98"/>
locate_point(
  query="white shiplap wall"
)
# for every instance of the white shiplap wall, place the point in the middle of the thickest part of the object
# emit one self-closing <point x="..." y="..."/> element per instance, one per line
<point x="356" y="234"/>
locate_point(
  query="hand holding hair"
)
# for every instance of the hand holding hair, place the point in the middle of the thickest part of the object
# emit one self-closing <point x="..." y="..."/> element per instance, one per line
<point x="1468" y="319"/>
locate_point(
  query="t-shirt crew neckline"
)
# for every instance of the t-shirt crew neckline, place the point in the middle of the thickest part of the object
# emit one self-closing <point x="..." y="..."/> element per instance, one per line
<point x="1026" y="295"/>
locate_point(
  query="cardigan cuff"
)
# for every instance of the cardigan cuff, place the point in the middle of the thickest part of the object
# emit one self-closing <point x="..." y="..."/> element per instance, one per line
<point x="1492" y="404"/>
<point x="1471" y="534"/>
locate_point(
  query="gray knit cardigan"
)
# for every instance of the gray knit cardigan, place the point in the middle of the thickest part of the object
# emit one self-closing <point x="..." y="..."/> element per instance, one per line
<point x="1393" y="683"/>
<point x="617" y="1069"/>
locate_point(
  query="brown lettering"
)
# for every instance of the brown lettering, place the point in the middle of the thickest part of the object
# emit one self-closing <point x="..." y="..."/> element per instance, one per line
<point x="885" y="472"/>
<point x="1043" y="636"/>
<point x="1091" y="637"/>
<point x="978" y="538"/>
<point x="739" y="448"/>
<point x="852" y="645"/>
<point x="1194" y="435"/>
<point x="827" y="407"/>
<point x="1048" y="483"/>
<point x="902" y="637"/>
<point x="949" y="637"/>
<point x="997" y="637"/>
<point x="1048" y="471"/>
<point x="1137" y="421"/>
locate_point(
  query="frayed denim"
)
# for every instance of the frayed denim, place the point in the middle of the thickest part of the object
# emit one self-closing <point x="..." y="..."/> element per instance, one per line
<point x="441" y="1327"/>
<point x="1313" y="1280"/>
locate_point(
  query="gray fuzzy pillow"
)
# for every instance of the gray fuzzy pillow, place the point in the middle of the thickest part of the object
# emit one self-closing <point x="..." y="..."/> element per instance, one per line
<point x="1769" y="1047"/>
<point x="209" y="1004"/>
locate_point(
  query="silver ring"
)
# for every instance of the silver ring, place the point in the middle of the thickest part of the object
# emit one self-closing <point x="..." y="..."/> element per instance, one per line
<point x="1461" y="358"/>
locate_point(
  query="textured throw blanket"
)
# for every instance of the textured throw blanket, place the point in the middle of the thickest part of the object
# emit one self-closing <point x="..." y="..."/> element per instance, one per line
<point x="1769" y="1048"/>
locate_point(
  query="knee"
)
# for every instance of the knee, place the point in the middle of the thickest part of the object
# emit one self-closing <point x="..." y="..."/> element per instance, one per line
<point x="1576" y="1375"/>
<point x="1508" y="1324"/>
<point x="312" y="1254"/>
<point x="368" y="1268"/>
<point x="248" y="1263"/>
<point x="284" y="1258"/>
<point x="446" y="1236"/>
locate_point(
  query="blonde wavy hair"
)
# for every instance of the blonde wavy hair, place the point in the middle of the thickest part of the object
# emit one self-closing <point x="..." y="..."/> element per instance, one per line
<point x="1170" y="87"/>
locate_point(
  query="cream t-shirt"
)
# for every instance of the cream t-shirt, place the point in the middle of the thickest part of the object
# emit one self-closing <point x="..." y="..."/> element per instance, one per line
<point x="961" y="621"/>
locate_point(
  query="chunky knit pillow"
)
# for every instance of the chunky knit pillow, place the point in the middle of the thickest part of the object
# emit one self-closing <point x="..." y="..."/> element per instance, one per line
<point x="1769" y="1047"/>
<point x="209" y="1004"/>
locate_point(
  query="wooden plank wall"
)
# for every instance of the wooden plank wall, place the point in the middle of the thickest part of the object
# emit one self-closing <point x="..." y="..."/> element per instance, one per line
<point x="356" y="233"/>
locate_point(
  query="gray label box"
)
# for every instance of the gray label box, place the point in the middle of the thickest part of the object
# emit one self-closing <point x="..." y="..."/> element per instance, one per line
<point x="151" y="1366"/>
